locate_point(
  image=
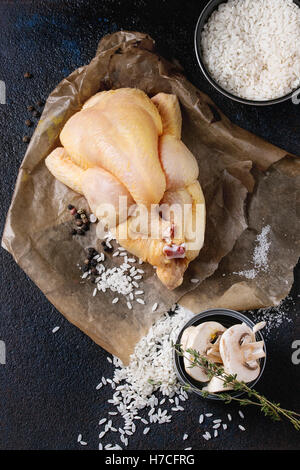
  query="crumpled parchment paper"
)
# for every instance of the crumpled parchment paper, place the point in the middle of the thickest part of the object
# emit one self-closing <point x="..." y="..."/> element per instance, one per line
<point x="240" y="199"/>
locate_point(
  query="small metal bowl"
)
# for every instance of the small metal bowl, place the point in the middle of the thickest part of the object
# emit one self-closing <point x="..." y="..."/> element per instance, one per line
<point x="227" y="318"/>
<point x="202" y="20"/>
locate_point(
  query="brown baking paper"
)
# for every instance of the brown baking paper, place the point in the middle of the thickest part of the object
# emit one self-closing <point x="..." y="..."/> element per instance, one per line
<point x="231" y="160"/>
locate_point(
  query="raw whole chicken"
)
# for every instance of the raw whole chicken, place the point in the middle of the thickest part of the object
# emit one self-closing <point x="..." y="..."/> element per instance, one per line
<point x="124" y="146"/>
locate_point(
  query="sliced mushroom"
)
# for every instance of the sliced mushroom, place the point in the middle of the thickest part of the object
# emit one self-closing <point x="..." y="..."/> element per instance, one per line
<point x="240" y="352"/>
<point x="216" y="385"/>
<point x="185" y="336"/>
<point x="204" y="338"/>
<point x="259" y="326"/>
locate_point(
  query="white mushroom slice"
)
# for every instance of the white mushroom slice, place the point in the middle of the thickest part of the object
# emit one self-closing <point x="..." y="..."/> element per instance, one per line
<point x="185" y="336"/>
<point x="240" y="352"/>
<point x="213" y="352"/>
<point x="253" y="352"/>
<point x="201" y="340"/>
<point x="259" y="326"/>
<point x="217" y="385"/>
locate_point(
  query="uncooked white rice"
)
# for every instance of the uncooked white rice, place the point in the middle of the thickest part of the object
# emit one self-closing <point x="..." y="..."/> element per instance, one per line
<point x="135" y="396"/>
<point x="251" y="47"/>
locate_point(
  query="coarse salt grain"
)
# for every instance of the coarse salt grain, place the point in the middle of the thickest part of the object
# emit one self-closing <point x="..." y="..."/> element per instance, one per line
<point x="260" y="255"/>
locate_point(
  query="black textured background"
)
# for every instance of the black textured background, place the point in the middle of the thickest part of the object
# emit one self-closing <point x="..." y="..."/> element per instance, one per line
<point x="47" y="387"/>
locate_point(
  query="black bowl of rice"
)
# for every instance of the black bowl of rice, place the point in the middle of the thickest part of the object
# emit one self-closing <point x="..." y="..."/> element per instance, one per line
<point x="249" y="49"/>
<point x="227" y="318"/>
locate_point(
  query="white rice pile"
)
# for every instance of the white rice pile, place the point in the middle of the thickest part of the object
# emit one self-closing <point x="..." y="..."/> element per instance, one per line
<point x="146" y="393"/>
<point x="152" y="361"/>
<point x="123" y="280"/>
<point x="252" y="47"/>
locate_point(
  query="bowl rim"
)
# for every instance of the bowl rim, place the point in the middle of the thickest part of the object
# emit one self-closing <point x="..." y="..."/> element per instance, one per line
<point x="183" y="377"/>
<point x="215" y="84"/>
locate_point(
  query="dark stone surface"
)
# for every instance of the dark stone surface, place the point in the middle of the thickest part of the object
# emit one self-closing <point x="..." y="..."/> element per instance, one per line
<point x="48" y="385"/>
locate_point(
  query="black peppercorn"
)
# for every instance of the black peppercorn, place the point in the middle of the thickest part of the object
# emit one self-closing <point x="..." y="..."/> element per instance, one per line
<point x="74" y="232"/>
<point x="70" y="207"/>
<point x="26" y="139"/>
<point x="91" y="250"/>
<point x="79" y="223"/>
<point x="93" y="263"/>
<point x="86" y="227"/>
<point x="77" y="216"/>
<point x="85" y="269"/>
<point x="107" y="249"/>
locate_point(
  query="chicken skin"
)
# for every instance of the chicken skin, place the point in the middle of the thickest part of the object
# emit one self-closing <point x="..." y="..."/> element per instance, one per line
<point x="124" y="146"/>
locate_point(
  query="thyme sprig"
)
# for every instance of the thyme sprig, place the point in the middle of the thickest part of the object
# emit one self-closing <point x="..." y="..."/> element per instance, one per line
<point x="269" y="408"/>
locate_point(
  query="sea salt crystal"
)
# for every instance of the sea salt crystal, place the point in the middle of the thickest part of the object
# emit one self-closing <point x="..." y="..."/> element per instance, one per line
<point x="260" y="255"/>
